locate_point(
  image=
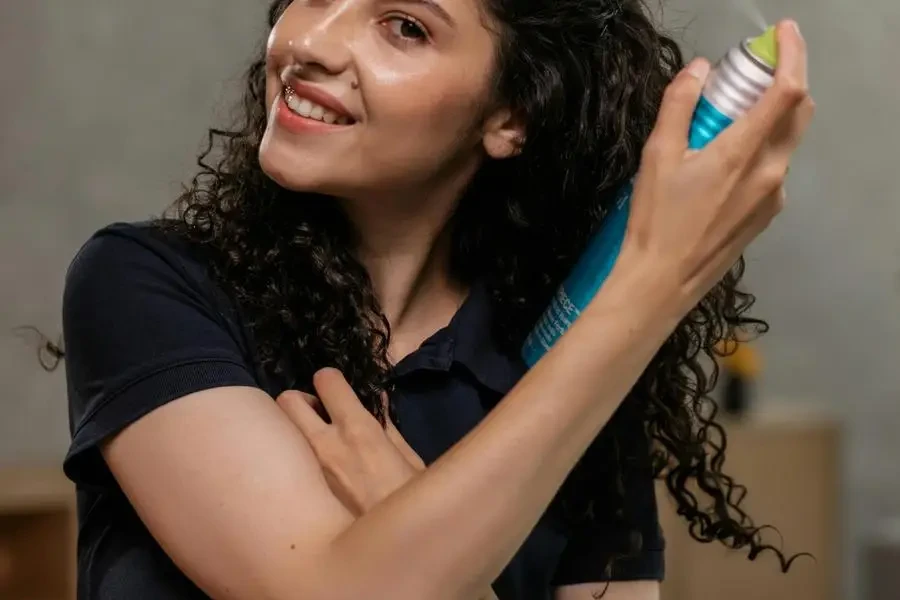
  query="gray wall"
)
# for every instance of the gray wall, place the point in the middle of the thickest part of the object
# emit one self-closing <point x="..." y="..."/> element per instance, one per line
<point x="105" y="104"/>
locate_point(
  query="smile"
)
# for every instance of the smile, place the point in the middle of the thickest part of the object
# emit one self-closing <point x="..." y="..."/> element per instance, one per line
<point x="308" y="109"/>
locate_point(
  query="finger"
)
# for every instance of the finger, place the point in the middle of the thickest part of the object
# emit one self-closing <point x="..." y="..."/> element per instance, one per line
<point x="338" y="396"/>
<point x="790" y="90"/>
<point x="299" y="408"/>
<point x="669" y="139"/>
<point x="760" y="219"/>
<point x="397" y="438"/>
<point x="801" y="123"/>
<point x="403" y="447"/>
<point x="779" y="201"/>
<point x="793" y="132"/>
<point x="317" y="405"/>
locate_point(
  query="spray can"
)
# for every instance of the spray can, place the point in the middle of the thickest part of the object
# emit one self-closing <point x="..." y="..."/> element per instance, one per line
<point x="735" y="84"/>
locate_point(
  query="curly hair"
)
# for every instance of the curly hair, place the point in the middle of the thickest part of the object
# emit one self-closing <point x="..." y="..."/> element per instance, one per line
<point x="588" y="77"/>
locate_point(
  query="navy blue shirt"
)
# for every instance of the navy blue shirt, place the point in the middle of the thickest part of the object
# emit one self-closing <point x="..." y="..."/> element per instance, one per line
<point x="145" y="325"/>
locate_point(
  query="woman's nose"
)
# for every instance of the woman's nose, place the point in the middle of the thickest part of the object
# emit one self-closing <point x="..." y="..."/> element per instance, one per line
<point x="326" y="35"/>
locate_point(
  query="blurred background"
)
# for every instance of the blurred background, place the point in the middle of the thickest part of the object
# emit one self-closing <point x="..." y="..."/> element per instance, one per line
<point x="105" y="105"/>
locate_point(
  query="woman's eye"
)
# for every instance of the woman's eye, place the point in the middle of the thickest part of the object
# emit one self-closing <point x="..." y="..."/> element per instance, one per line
<point x="406" y="29"/>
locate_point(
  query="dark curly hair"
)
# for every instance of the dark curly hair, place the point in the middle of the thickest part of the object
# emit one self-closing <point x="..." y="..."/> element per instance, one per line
<point x="588" y="77"/>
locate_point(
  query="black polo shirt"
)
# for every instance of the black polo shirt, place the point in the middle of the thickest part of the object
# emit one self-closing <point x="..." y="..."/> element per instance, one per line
<point x="144" y="325"/>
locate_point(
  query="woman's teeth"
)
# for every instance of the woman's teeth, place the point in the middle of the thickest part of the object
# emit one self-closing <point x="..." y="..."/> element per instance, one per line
<point x="311" y="110"/>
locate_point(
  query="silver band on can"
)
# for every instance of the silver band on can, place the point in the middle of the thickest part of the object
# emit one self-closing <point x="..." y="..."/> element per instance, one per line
<point x="738" y="81"/>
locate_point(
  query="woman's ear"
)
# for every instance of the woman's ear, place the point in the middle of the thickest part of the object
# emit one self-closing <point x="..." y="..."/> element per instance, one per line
<point x="504" y="134"/>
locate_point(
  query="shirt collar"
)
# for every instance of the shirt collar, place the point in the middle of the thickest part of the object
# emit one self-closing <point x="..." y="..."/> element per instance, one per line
<point x="468" y="342"/>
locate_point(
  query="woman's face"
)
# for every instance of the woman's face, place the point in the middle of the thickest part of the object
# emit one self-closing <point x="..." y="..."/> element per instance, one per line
<point x="371" y="96"/>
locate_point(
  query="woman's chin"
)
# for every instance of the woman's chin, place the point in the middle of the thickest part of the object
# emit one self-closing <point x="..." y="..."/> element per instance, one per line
<point x="307" y="174"/>
<point x="283" y="169"/>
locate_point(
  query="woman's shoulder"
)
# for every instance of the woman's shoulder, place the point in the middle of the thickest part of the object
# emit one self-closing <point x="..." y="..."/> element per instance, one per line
<point x="133" y="270"/>
<point x="136" y="242"/>
<point x="143" y="325"/>
<point x="138" y="254"/>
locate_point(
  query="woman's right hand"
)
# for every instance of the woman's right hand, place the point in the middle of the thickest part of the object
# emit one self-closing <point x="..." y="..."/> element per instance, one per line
<point x="693" y="213"/>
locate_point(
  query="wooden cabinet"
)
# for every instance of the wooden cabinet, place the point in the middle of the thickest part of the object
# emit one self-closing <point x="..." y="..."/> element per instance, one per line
<point x="37" y="535"/>
<point x="789" y="462"/>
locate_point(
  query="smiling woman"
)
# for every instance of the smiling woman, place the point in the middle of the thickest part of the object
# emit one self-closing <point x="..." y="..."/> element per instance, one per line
<point x="408" y="184"/>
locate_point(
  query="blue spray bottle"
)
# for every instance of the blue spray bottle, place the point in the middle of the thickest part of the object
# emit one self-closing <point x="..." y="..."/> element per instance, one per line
<point x="736" y="83"/>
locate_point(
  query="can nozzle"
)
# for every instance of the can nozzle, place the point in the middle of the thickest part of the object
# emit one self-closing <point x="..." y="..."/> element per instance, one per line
<point x="765" y="47"/>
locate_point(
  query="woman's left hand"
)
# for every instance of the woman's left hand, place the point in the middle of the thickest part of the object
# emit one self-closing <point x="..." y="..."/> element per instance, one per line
<point x="362" y="461"/>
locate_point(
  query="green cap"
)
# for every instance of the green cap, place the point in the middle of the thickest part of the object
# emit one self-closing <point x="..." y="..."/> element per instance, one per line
<point x="765" y="47"/>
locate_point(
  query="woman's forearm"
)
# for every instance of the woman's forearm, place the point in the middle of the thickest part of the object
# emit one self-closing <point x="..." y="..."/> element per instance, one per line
<point x="450" y="531"/>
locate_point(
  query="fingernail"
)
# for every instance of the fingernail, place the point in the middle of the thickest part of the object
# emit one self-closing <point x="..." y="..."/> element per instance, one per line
<point x="796" y="27"/>
<point x="699" y="68"/>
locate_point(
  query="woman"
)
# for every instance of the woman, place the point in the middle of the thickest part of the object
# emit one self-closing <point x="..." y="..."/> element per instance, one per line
<point x="409" y="183"/>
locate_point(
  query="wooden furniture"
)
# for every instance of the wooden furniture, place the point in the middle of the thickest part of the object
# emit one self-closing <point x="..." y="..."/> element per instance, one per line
<point x="37" y="534"/>
<point x="789" y="462"/>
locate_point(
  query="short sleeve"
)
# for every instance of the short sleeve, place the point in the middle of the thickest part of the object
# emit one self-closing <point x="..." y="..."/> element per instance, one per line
<point x="141" y="328"/>
<point x="603" y="550"/>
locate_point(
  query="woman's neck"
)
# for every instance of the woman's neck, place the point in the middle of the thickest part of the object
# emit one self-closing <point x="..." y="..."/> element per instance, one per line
<point x="406" y="248"/>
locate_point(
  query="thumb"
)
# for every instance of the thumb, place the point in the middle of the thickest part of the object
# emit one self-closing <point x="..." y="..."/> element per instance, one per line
<point x="669" y="139"/>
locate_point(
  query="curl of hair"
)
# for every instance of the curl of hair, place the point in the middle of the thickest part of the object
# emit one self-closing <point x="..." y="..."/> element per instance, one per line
<point x="588" y="77"/>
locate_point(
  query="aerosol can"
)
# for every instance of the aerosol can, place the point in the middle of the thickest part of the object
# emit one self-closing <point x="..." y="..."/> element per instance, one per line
<point x="734" y="85"/>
